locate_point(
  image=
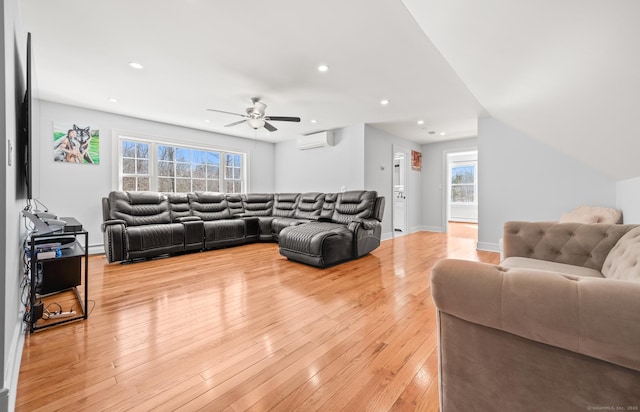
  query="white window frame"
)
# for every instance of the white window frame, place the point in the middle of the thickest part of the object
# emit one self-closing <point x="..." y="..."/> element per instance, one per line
<point x="473" y="163"/>
<point x="154" y="142"/>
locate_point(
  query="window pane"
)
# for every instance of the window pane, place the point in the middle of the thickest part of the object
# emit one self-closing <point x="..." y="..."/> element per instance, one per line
<point x="166" y="153"/>
<point x="143" y="167"/>
<point x="462" y="193"/>
<point x="128" y="166"/>
<point x="198" y="156"/>
<point x="199" y="185"/>
<point x="229" y="187"/>
<point x="183" y="155"/>
<point x="165" y="185"/>
<point x="213" y="172"/>
<point x="183" y="185"/>
<point x="143" y="183"/>
<point x="128" y="149"/>
<point x="165" y="169"/>
<point x="213" y="158"/>
<point x="238" y="175"/>
<point x="128" y="183"/>
<point x="183" y="170"/>
<point x="199" y="171"/>
<point x="213" y="185"/>
<point x="142" y="150"/>
<point x="462" y="174"/>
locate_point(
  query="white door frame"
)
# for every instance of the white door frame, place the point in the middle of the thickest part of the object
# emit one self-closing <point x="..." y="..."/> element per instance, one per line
<point x="400" y="149"/>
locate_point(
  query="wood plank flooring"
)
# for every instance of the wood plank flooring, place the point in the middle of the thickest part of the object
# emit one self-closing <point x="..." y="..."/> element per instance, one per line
<point x="245" y="329"/>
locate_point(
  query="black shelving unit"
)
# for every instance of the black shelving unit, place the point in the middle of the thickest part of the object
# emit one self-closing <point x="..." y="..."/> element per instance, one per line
<point x="63" y="271"/>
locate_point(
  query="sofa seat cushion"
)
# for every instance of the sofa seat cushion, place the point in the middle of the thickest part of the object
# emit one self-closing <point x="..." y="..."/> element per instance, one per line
<point x="528" y="263"/>
<point x="279" y="223"/>
<point x="623" y="262"/>
<point x="225" y="232"/>
<point x="154" y="240"/>
<point x="319" y="244"/>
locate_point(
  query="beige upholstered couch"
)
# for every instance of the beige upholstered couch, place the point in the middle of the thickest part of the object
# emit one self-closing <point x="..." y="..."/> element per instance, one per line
<point x="555" y="327"/>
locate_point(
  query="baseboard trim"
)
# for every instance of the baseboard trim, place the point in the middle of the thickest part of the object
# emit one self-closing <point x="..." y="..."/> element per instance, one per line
<point x="386" y="236"/>
<point x="14" y="359"/>
<point x="437" y="229"/>
<point x="488" y="247"/>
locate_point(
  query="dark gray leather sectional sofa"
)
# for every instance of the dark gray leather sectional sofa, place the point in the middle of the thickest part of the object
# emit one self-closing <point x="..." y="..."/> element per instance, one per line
<point x="319" y="229"/>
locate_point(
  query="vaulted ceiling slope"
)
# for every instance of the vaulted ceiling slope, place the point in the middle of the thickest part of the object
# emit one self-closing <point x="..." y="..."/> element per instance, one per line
<point x="566" y="73"/>
<point x="200" y="54"/>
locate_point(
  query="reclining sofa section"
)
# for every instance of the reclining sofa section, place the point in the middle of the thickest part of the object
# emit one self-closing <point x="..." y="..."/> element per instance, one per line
<point x="314" y="228"/>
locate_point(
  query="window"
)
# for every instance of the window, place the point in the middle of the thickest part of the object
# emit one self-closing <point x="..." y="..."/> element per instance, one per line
<point x="463" y="182"/>
<point x="165" y="167"/>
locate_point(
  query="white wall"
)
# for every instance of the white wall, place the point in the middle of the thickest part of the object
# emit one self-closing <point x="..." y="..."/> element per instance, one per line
<point x="76" y="189"/>
<point x="13" y="50"/>
<point x="378" y="176"/>
<point x="326" y="169"/>
<point x="434" y="164"/>
<point x="523" y="179"/>
<point x="628" y="199"/>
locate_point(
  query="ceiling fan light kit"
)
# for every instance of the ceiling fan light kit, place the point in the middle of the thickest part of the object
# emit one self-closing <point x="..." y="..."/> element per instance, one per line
<point x="256" y="118"/>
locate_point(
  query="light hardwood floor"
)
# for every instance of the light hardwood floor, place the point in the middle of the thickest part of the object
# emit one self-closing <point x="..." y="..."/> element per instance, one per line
<point x="245" y="329"/>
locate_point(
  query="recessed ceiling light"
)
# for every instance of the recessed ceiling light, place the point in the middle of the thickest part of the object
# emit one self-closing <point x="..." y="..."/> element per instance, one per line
<point x="442" y="133"/>
<point x="136" y="65"/>
<point x="420" y="121"/>
<point x="207" y="121"/>
<point x="113" y="100"/>
<point x="314" y="121"/>
<point x="267" y="134"/>
<point x="384" y="102"/>
<point x="323" y="68"/>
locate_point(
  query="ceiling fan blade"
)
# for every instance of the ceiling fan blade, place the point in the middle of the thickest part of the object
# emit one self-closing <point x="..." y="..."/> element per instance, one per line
<point x="282" y="118"/>
<point x="222" y="111"/>
<point x="269" y="127"/>
<point x="235" y="123"/>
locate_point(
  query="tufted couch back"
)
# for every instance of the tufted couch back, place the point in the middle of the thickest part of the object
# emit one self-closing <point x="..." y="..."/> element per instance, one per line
<point x="558" y="242"/>
<point x="139" y="208"/>
<point x="178" y="205"/>
<point x="623" y="262"/>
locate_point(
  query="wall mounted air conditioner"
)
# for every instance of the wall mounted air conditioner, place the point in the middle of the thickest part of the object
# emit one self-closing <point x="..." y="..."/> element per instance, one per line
<point x="316" y="140"/>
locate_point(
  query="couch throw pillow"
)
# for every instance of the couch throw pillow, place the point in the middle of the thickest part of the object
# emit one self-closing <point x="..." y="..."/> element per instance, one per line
<point x="623" y="262"/>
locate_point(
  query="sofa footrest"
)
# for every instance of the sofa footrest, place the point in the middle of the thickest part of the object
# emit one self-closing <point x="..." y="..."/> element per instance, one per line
<point x="317" y="244"/>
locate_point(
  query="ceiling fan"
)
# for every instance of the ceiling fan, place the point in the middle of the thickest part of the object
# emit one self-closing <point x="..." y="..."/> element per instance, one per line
<point x="256" y="118"/>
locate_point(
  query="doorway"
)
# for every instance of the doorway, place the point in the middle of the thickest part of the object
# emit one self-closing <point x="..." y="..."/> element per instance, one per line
<point x="400" y="213"/>
<point x="462" y="187"/>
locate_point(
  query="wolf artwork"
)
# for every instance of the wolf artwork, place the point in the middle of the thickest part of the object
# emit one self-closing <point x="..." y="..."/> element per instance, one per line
<point x="74" y="147"/>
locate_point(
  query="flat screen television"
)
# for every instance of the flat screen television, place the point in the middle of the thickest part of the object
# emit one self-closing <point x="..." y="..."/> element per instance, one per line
<point x="24" y="175"/>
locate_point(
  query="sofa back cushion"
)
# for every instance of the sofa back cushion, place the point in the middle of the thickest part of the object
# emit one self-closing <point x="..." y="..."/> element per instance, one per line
<point x="623" y="262"/>
<point x="234" y="201"/>
<point x="178" y="205"/>
<point x="209" y="205"/>
<point x="572" y="243"/>
<point x="329" y="205"/>
<point x="285" y="204"/>
<point x="139" y="208"/>
<point x="309" y="206"/>
<point x="355" y="204"/>
<point x="258" y="204"/>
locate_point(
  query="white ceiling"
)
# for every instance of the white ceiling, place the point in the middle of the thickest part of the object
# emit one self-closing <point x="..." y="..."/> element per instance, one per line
<point x="201" y="54"/>
<point x="563" y="72"/>
<point x="566" y="73"/>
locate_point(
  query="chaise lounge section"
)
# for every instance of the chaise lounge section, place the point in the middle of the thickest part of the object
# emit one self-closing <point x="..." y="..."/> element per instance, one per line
<point x="314" y="228"/>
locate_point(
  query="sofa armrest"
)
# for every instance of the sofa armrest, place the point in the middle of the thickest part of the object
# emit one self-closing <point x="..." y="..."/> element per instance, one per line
<point x="115" y="240"/>
<point x="592" y="316"/>
<point x="571" y="243"/>
<point x="111" y="222"/>
<point x="366" y="235"/>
